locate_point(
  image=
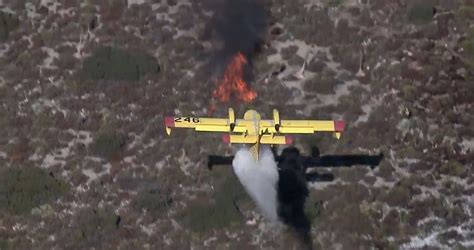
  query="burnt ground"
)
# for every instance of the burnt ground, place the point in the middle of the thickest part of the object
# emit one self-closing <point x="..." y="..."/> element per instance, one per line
<point x="85" y="162"/>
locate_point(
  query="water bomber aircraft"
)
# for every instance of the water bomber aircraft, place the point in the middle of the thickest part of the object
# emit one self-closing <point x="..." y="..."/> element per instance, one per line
<point x="253" y="130"/>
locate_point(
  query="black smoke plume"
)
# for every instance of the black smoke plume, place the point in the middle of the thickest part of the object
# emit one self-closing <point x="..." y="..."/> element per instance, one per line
<point x="235" y="26"/>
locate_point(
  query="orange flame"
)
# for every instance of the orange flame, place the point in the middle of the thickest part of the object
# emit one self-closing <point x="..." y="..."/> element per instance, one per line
<point x="233" y="83"/>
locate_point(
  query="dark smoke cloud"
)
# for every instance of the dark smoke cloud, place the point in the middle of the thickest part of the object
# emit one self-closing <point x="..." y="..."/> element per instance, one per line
<point x="235" y="26"/>
<point x="239" y="25"/>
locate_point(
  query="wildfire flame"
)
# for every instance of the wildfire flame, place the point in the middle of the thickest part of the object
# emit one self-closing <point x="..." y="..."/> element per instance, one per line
<point x="233" y="84"/>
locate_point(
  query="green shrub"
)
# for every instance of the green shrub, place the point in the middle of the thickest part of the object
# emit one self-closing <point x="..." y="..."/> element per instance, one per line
<point x="6" y="244"/>
<point x="333" y="3"/>
<point x="202" y="216"/>
<point x="468" y="46"/>
<point x="22" y="189"/>
<point x="421" y="12"/>
<point x="93" y="227"/>
<point x="8" y="23"/>
<point x="313" y="208"/>
<point x="155" y="201"/>
<point x="410" y="152"/>
<point x="109" y="63"/>
<point x="453" y="168"/>
<point x="466" y="11"/>
<point x="398" y="196"/>
<point x="108" y="143"/>
<point x="409" y="91"/>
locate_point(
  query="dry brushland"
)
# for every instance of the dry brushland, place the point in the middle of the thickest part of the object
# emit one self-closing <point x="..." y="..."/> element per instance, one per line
<point x="85" y="161"/>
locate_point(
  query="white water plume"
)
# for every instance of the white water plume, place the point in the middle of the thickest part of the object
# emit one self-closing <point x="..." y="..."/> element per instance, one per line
<point x="259" y="179"/>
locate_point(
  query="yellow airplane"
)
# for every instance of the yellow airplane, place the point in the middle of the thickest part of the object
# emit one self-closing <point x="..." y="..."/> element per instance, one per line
<point x="253" y="130"/>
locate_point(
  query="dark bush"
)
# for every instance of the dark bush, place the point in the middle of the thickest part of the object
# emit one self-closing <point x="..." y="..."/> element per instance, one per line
<point x="468" y="46"/>
<point x="421" y="12"/>
<point x="109" y="63"/>
<point x="155" y="201"/>
<point x="8" y="23"/>
<point x="109" y="143"/>
<point x="333" y="3"/>
<point x="313" y="208"/>
<point x="93" y="227"/>
<point x="398" y="196"/>
<point x="453" y="168"/>
<point x="466" y="12"/>
<point x="22" y="189"/>
<point x="202" y="216"/>
<point x="6" y="244"/>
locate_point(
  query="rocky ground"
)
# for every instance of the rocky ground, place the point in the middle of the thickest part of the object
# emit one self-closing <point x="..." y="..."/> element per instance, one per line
<point x="85" y="162"/>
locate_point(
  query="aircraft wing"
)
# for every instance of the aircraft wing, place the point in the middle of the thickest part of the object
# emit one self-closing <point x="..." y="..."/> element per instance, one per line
<point x="197" y="123"/>
<point x="201" y="124"/>
<point x="205" y="124"/>
<point x="303" y="126"/>
<point x="253" y="130"/>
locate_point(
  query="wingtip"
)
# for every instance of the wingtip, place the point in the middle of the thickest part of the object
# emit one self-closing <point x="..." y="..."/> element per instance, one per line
<point x="289" y="140"/>
<point x="226" y="138"/>
<point x="169" y="121"/>
<point x="339" y="125"/>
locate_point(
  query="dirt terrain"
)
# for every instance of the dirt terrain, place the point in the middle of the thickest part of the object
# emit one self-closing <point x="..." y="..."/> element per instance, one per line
<point x="85" y="161"/>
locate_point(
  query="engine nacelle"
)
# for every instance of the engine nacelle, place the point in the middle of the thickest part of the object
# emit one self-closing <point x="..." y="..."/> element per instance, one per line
<point x="276" y="120"/>
<point x="231" y="119"/>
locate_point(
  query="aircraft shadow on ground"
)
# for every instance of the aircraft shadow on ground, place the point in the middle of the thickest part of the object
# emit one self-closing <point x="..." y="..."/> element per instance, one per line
<point x="290" y="157"/>
<point x="293" y="179"/>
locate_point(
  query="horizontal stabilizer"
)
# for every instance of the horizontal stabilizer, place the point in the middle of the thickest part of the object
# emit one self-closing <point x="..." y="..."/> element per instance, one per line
<point x="264" y="139"/>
